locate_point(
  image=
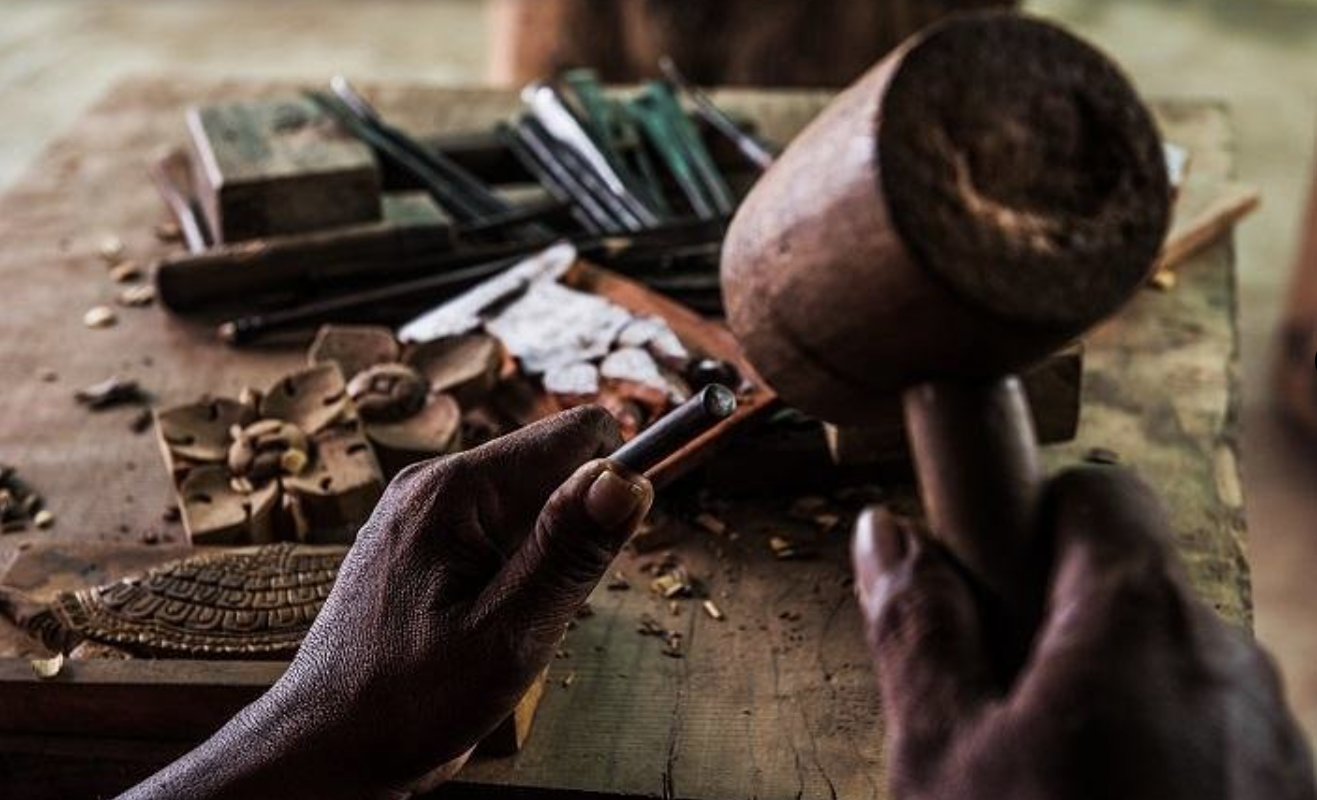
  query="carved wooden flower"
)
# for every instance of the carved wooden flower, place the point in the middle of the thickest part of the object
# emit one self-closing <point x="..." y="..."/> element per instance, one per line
<point x="292" y="463"/>
<point x="411" y="398"/>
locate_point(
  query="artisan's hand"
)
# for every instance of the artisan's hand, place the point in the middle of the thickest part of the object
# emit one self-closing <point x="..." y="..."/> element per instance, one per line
<point x="451" y="603"/>
<point x="1134" y="689"/>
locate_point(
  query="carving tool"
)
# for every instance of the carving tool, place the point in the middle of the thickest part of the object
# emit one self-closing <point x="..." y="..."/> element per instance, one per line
<point x="754" y="150"/>
<point x="676" y="429"/>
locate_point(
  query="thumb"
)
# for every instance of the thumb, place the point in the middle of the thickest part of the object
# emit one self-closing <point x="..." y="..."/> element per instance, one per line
<point x="577" y="535"/>
<point x="924" y="630"/>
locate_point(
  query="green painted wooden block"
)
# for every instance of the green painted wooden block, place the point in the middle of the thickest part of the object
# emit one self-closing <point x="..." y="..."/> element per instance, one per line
<point x="279" y="166"/>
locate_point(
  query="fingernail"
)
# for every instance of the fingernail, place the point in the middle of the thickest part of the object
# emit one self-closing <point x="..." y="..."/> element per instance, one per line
<point x="612" y="499"/>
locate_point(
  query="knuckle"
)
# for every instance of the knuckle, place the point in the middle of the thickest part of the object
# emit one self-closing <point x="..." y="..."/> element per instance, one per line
<point x="596" y="421"/>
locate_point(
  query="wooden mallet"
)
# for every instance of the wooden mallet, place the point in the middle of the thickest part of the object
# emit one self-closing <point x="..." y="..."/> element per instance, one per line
<point x="985" y="195"/>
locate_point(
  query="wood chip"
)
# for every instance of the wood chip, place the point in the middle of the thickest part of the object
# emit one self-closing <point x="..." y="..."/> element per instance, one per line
<point x="136" y="296"/>
<point x="711" y="523"/>
<point x="111" y="249"/>
<point x="1164" y="280"/>
<point x="786" y="550"/>
<point x="675" y="582"/>
<point x="100" y="317"/>
<point x="168" y="232"/>
<point x="126" y="272"/>
<point x="568" y="679"/>
<point x="713" y="611"/>
<point x="111" y="392"/>
<point x="827" y="521"/>
<point x="44" y="519"/>
<point x="48" y="668"/>
<point x="1101" y="455"/>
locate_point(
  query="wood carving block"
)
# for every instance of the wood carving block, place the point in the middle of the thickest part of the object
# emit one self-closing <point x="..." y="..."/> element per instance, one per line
<point x="289" y="463"/>
<point x="151" y="605"/>
<point x="270" y="167"/>
<point x="1053" y="387"/>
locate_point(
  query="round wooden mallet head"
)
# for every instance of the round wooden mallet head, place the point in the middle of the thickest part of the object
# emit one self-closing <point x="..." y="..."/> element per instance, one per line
<point x="985" y="194"/>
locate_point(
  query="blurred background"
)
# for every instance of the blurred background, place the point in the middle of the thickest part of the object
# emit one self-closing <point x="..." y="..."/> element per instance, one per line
<point x="1260" y="56"/>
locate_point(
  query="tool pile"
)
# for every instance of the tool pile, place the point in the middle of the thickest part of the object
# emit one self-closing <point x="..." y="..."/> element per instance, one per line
<point x="317" y="209"/>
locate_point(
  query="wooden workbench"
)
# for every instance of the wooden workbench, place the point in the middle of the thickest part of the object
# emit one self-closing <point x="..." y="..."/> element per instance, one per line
<point x="775" y="701"/>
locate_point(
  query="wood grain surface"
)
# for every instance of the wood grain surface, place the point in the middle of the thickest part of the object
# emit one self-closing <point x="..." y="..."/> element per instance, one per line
<point x="775" y="701"/>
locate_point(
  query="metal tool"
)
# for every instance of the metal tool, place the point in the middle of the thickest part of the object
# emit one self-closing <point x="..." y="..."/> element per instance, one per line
<point x="677" y="428"/>
<point x="755" y="151"/>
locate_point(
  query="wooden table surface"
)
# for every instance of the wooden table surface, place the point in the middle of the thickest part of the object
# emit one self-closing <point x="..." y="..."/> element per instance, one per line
<point x="774" y="702"/>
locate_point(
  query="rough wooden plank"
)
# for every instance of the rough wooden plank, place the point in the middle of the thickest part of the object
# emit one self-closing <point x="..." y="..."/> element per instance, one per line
<point x="1162" y="390"/>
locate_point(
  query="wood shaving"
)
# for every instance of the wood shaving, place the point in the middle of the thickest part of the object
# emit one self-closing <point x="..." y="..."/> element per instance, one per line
<point x="827" y="521"/>
<point x="99" y="317"/>
<point x="109" y="393"/>
<point x="48" y="668"/>
<point x="136" y="296"/>
<point x="710" y="523"/>
<point x="111" y="249"/>
<point x="674" y="582"/>
<point x="786" y="550"/>
<point x="168" y="232"/>
<point x="1101" y="455"/>
<point x="125" y="272"/>
<point x="1164" y="280"/>
<point x="713" y="611"/>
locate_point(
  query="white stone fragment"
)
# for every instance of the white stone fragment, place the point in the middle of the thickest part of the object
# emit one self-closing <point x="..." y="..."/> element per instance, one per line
<point x="470" y="310"/>
<point x="572" y="379"/>
<point x="653" y="334"/>
<point x="552" y="326"/>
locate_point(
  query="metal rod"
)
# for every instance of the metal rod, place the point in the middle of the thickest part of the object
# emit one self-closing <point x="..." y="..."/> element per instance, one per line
<point x="755" y="151"/>
<point x="677" y="429"/>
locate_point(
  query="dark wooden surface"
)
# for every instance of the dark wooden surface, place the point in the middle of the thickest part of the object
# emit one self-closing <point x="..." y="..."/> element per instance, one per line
<point x="774" y="702"/>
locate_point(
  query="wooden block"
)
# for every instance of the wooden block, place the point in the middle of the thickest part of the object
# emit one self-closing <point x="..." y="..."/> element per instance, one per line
<point x="270" y="167"/>
<point x="1054" y="389"/>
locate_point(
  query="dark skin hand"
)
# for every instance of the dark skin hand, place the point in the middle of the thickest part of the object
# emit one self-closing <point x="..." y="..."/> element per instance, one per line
<point x="1134" y="689"/>
<point x="450" y="604"/>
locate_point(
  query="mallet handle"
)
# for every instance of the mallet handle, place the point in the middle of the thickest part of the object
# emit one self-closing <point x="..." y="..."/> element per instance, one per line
<point x="976" y="457"/>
